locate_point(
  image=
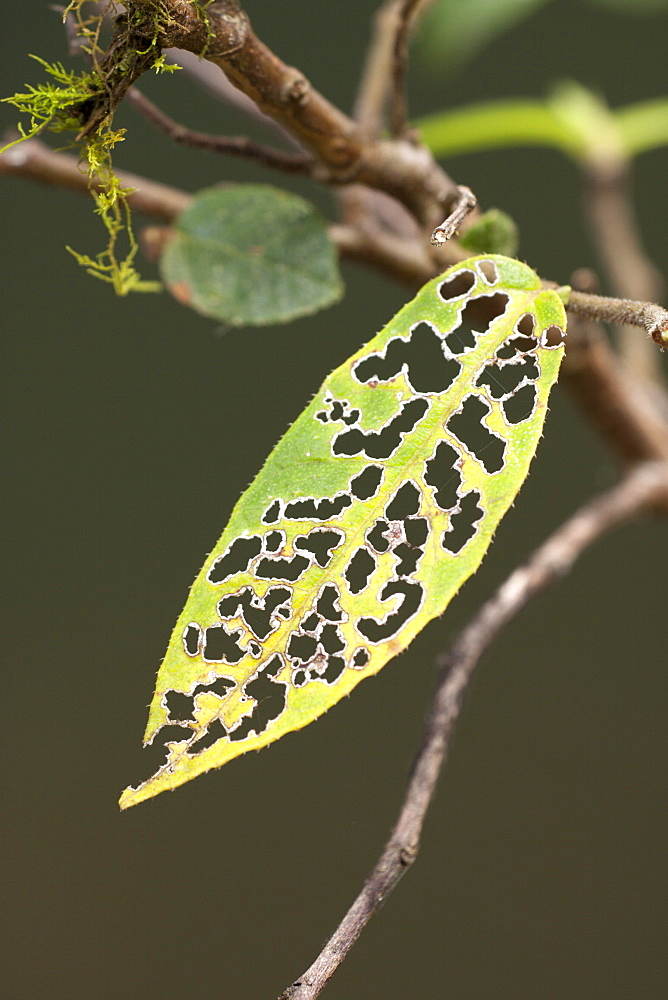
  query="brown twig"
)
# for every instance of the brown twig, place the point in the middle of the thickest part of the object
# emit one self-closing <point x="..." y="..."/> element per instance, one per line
<point x="374" y="87"/>
<point x="464" y="203"/>
<point x="290" y="163"/>
<point x="369" y="216"/>
<point x="640" y="490"/>
<point x="33" y="160"/>
<point x="653" y="318"/>
<point x="209" y="78"/>
<point x="631" y="273"/>
<point x="629" y="422"/>
<point x="407" y="13"/>
<point x="225" y="37"/>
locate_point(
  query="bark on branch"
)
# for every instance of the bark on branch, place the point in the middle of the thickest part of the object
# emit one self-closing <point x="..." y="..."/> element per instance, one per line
<point x="222" y="34"/>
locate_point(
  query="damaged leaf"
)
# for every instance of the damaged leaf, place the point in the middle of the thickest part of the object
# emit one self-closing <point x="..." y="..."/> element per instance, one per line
<point x="370" y="513"/>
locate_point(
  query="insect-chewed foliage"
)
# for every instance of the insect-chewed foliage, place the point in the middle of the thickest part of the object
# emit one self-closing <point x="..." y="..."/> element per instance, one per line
<point x="367" y="517"/>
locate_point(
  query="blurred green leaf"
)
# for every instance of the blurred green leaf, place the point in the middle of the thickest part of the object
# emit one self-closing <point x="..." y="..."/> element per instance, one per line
<point x="251" y="255"/>
<point x="454" y="30"/>
<point x="644" y="126"/>
<point x="493" y="232"/>
<point x="585" y="114"/>
<point x="498" y="123"/>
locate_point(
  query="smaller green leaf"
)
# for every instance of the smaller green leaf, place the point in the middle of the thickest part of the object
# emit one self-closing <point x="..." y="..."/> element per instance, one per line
<point x="587" y="115"/>
<point x="494" y="124"/>
<point x="644" y="126"/>
<point x="251" y="255"/>
<point x="493" y="232"/>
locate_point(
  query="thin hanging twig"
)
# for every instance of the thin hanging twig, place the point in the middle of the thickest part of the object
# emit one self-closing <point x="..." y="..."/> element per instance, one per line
<point x="290" y="163"/>
<point x="407" y="14"/>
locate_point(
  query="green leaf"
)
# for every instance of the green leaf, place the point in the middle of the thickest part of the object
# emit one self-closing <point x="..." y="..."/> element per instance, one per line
<point x="586" y="115"/>
<point x="643" y="126"/>
<point x="453" y="31"/>
<point x="498" y="124"/>
<point x="251" y="255"/>
<point x="493" y="232"/>
<point x="370" y="513"/>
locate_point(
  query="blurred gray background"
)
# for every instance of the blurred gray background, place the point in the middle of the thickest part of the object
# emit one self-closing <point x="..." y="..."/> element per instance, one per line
<point x="130" y="429"/>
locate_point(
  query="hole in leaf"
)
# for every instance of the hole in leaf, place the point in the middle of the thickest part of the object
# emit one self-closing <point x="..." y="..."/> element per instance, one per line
<point x="310" y="509"/>
<point x="302" y="647"/>
<point x="320" y="542"/>
<point x="553" y="337"/>
<point x="441" y="473"/>
<point x="221" y="646"/>
<point x="155" y="754"/>
<point x="359" y="570"/>
<point x="330" y="639"/>
<point x="408" y="559"/>
<point x="382" y="443"/>
<point x="339" y="410"/>
<point x="375" y="536"/>
<point x="421" y="356"/>
<point x="504" y="379"/>
<point x="477" y="316"/>
<point x="468" y="427"/>
<point x="417" y="530"/>
<point x="366" y="484"/>
<point x="272" y="513"/>
<point x="488" y="270"/>
<point x="257" y="612"/>
<point x="220" y="686"/>
<point x="274" y="541"/>
<point x="456" y="286"/>
<point x="335" y="667"/>
<point x="215" y="731"/>
<point x="520" y="406"/>
<point x="516" y="345"/>
<point x="379" y="631"/>
<point x="191" y="637"/>
<point x="310" y="623"/>
<point x="463" y="523"/>
<point x="270" y="698"/>
<point x="236" y="559"/>
<point x="405" y="503"/>
<point x="360" y="658"/>
<point x="526" y="325"/>
<point x="282" y="569"/>
<point x="326" y="604"/>
<point x="179" y="707"/>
